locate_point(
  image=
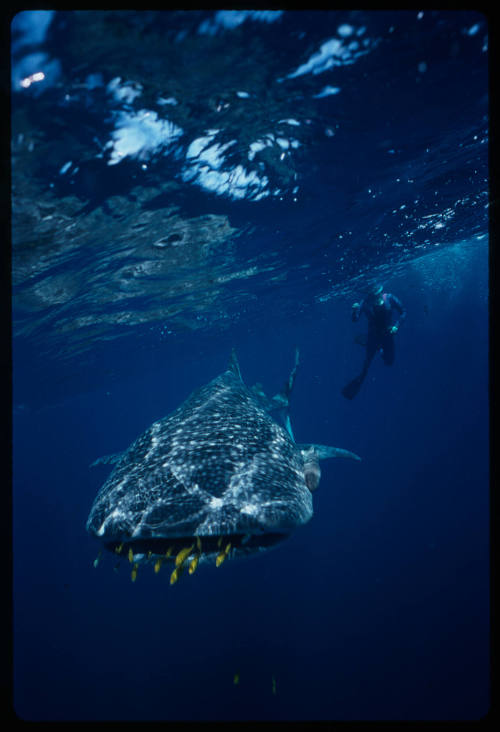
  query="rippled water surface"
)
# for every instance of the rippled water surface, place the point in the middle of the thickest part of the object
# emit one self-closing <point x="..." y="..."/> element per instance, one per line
<point x="180" y="171"/>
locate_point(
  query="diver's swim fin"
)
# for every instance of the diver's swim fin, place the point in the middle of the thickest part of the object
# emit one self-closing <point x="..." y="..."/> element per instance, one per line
<point x="351" y="389"/>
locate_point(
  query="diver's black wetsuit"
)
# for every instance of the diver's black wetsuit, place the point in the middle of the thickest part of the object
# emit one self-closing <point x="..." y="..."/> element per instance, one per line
<point x="379" y="312"/>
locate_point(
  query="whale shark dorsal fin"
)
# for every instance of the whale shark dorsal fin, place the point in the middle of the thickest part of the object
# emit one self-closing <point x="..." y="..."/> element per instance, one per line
<point x="233" y="365"/>
<point x="325" y="451"/>
<point x="281" y="400"/>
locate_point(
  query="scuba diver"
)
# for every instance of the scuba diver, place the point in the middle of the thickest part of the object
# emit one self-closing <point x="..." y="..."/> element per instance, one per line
<point x="379" y="308"/>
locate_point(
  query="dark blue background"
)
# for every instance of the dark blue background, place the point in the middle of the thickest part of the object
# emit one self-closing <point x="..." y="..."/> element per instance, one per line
<point x="378" y="608"/>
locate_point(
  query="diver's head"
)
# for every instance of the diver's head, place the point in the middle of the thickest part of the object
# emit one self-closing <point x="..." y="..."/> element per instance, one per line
<point x="374" y="294"/>
<point x="375" y="290"/>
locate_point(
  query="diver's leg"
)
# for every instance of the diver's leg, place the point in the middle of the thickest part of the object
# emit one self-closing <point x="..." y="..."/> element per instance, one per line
<point x="351" y="389"/>
<point x="388" y="350"/>
<point x="371" y="349"/>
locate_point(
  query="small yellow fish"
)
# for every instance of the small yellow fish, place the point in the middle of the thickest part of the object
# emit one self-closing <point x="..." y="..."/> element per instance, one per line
<point x="96" y="560"/>
<point x="223" y="554"/>
<point x="130" y="555"/>
<point x="169" y="551"/>
<point x="183" y="555"/>
<point x="118" y="549"/>
<point x="236" y="679"/>
<point x="198" y="543"/>
<point x="133" y="574"/>
<point x="174" y="576"/>
<point x="158" y="565"/>
<point x="219" y="559"/>
<point x="194" y="563"/>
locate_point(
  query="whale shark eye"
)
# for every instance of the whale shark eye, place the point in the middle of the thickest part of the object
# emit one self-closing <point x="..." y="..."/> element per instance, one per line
<point x="312" y="473"/>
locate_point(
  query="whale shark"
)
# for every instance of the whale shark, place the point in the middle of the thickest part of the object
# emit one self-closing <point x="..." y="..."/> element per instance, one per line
<point x="220" y="477"/>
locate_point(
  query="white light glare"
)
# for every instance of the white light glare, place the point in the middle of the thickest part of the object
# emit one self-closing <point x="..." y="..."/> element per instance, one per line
<point x="32" y="78"/>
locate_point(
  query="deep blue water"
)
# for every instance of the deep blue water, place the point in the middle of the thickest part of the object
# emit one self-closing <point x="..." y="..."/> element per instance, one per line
<point x="378" y="608"/>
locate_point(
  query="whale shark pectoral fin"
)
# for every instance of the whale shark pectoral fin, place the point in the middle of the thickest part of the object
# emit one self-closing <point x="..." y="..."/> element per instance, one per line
<point x="107" y="459"/>
<point x="325" y="451"/>
<point x="233" y="365"/>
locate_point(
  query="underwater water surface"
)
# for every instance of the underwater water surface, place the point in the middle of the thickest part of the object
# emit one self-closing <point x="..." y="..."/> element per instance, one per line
<point x="186" y="183"/>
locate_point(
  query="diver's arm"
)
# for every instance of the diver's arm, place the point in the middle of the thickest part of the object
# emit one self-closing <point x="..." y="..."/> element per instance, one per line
<point x="396" y="304"/>
<point x="357" y="309"/>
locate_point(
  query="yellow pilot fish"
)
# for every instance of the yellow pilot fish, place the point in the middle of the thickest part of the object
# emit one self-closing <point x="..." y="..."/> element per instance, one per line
<point x="183" y="555"/>
<point x="158" y="565"/>
<point x="223" y="554"/>
<point x="194" y="564"/>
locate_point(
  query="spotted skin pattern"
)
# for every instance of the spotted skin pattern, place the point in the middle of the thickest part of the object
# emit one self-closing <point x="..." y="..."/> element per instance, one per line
<point x="218" y="466"/>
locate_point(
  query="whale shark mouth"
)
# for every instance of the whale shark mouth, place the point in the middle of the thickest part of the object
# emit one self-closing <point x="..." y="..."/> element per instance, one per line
<point x="186" y="552"/>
